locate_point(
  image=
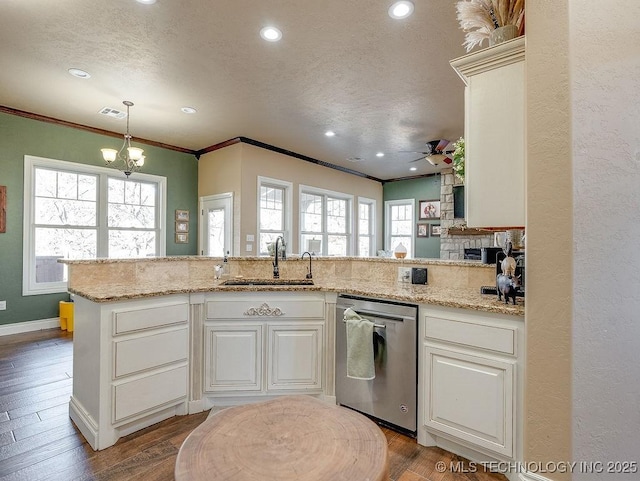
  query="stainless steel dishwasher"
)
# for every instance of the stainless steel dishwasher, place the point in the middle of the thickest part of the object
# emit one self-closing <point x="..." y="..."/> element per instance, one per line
<point x="391" y="397"/>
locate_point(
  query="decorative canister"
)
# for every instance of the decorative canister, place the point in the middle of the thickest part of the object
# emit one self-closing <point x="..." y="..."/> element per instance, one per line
<point x="400" y="252"/>
<point x="502" y="34"/>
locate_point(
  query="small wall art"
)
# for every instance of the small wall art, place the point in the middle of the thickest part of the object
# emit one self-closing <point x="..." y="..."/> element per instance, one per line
<point x="182" y="215"/>
<point x="182" y="238"/>
<point x="182" y="226"/>
<point x="429" y="209"/>
<point x="435" y="230"/>
<point x="423" y="230"/>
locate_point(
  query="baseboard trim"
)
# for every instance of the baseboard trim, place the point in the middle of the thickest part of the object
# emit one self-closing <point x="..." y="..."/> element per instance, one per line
<point x="29" y="326"/>
<point x="84" y="422"/>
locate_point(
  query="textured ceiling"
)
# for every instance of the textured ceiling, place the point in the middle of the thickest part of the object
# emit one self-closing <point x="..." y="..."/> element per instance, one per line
<point x="380" y="84"/>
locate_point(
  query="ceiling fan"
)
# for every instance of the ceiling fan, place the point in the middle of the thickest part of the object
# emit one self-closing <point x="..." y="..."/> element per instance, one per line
<point x="437" y="152"/>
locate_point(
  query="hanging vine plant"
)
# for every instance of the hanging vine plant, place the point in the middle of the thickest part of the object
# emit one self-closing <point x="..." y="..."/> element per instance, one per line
<point x="458" y="159"/>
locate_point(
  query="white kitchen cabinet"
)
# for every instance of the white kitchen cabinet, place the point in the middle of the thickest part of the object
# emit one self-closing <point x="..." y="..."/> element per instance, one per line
<point x="471" y="382"/>
<point x="294" y="356"/>
<point x="494" y="132"/>
<point x="263" y="344"/>
<point x="233" y="357"/>
<point x="130" y="365"/>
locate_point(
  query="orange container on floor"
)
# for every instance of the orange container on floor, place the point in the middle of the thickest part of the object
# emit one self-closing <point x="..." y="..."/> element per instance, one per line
<point x="66" y="316"/>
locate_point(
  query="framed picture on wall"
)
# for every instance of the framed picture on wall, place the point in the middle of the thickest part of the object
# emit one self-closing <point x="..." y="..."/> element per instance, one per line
<point x="423" y="230"/>
<point x="182" y="227"/>
<point x="182" y="238"/>
<point x="435" y="230"/>
<point x="429" y="209"/>
<point x="182" y="215"/>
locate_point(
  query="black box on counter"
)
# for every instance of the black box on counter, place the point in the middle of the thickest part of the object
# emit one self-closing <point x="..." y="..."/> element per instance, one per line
<point x="418" y="275"/>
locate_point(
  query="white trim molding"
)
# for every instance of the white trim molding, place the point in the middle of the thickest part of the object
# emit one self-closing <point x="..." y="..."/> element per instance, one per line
<point x="29" y="326"/>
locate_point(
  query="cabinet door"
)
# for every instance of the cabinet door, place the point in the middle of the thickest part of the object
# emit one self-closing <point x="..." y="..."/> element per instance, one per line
<point x="470" y="398"/>
<point x="233" y="357"/>
<point x="294" y="357"/>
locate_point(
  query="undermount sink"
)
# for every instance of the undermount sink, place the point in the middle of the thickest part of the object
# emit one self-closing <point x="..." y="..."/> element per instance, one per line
<point x="268" y="282"/>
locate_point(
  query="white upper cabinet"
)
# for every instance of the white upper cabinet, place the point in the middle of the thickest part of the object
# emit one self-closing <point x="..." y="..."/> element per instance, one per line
<point x="494" y="132"/>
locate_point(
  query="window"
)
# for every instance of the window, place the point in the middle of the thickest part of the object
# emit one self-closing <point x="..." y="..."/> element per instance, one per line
<point x="83" y="212"/>
<point x="325" y="222"/>
<point x="274" y="212"/>
<point x="366" y="227"/>
<point x="399" y="224"/>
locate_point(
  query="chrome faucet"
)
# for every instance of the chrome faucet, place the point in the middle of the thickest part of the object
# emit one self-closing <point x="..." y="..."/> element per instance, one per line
<point x="309" y="274"/>
<point x="276" y="269"/>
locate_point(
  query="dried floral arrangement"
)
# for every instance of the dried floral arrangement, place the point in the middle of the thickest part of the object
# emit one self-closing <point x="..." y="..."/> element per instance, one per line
<point x="478" y="18"/>
<point x="458" y="159"/>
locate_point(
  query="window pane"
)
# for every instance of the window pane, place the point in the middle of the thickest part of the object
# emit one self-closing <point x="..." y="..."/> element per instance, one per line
<point x="406" y="241"/>
<point x="271" y="208"/>
<point x="87" y="187"/>
<point x="337" y="245"/>
<point x="266" y="238"/>
<point x="67" y="185"/>
<point x="364" y="219"/>
<point x="364" y="246"/>
<point x="336" y="215"/>
<point x="126" y="207"/>
<point x="216" y="233"/>
<point x="311" y="208"/>
<point x="64" y="212"/>
<point x="126" y="243"/>
<point x="312" y="243"/>
<point x="46" y="183"/>
<point x="55" y="243"/>
<point x="147" y="194"/>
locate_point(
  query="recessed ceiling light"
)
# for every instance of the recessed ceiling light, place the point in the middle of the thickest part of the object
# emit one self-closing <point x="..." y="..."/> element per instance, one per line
<point x="329" y="133"/>
<point x="188" y="110"/>
<point x="401" y="9"/>
<point x="413" y="168"/>
<point x="76" y="72"/>
<point x="380" y="154"/>
<point x="271" y="34"/>
<point x="146" y="2"/>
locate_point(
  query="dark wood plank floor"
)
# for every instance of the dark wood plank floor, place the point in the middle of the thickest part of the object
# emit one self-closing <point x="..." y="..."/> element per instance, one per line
<point x="38" y="441"/>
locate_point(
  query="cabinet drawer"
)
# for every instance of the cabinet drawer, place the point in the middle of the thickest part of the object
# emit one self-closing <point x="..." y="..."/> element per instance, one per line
<point x="143" y="353"/>
<point x="149" y="318"/>
<point x="270" y="309"/>
<point x="490" y="338"/>
<point x="150" y="392"/>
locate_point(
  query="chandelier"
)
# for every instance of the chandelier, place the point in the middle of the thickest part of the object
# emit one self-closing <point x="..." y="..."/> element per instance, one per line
<point x="128" y="159"/>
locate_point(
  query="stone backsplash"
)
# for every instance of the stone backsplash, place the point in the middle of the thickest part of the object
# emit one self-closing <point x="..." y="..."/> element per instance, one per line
<point x="452" y="246"/>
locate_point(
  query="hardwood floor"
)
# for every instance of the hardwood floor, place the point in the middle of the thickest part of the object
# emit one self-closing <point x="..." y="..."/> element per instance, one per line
<point x="38" y="441"/>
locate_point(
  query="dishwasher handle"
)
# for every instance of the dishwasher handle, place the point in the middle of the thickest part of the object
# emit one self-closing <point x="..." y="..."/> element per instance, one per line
<point x="377" y="326"/>
<point x="380" y="315"/>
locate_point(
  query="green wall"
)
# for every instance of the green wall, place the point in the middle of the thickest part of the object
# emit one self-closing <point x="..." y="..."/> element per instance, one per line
<point x="424" y="188"/>
<point x="21" y="136"/>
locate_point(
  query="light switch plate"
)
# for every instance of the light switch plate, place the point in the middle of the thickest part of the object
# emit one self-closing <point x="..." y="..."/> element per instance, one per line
<point x="250" y="238"/>
<point x="249" y="247"/>
<point x="3" y="305"/>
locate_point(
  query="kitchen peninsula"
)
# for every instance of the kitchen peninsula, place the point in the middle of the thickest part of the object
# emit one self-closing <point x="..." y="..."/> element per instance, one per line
<point x="161" y="337"/>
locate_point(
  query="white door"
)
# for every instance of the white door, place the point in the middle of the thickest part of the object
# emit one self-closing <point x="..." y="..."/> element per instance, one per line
<point x="216" y="225"/>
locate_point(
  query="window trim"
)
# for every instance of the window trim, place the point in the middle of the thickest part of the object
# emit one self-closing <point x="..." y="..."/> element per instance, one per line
<point x="29" y="285"/>
<point x="372" y="226"/>
<point x="387" y="223"/>
<point x="307" y="189"/>
<point x="288" y="208"/>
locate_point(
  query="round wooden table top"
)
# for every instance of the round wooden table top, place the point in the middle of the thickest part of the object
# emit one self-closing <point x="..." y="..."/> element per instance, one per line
<point x="290" y="438"/>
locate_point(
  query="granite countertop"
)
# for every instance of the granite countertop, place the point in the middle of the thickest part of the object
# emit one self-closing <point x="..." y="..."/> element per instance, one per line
<point x="466" y="298"/>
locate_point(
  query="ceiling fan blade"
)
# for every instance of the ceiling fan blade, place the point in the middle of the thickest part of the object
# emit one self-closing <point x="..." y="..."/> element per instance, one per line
<point x="412" y="152"/>
<point x="416" y="160"/>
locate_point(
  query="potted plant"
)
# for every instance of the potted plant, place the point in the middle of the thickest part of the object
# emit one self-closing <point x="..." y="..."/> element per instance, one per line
<point x="458" y="158"/>
<point x="495" y="20"/>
